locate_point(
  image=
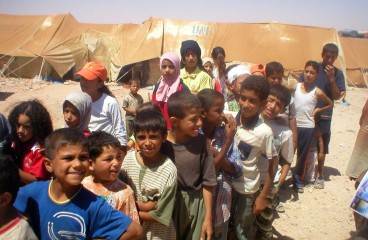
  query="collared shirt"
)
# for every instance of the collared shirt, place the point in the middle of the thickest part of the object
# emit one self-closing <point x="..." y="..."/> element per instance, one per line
<point x="197" y="80"/>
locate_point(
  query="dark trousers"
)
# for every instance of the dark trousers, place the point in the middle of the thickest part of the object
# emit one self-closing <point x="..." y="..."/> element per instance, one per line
<point x="305" y="136"/>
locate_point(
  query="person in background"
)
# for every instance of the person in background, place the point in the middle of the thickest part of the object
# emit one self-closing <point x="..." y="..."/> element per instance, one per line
<point x="208" y="65"/>
<point x="77" y="109"/>
<point x="30" y="125"/>
<point x="331" y="81"/>
<point x="257" y="69"/>
<point x="130" y="104"/>
<point x="192" y="73"/>
<point x="219" y="71"/>
<point x="169" y="83"/>
<point x="106" y="115"/>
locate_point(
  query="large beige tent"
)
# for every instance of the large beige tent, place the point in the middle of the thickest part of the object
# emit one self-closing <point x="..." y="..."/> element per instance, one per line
<point x="66" y="45"/>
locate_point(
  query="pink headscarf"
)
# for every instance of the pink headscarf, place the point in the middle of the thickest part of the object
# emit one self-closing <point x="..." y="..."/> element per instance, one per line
<point x="168" y="87"/>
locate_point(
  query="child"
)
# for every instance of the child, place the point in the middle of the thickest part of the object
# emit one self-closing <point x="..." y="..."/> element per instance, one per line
<point x="196" y="172"/>
<point x="62" y="207"/>
<point x="235" y="77"/>
<point x="277" y="101"/>
<point x="152" y="176"/>
<point x="77" y="109"/>
<point x="252" y="139"/>
<point x="219" y="72"/>
<point x="106" y="156"/>
<point x="12" y="224"/>
<point x="169" y="82"/>
<point x="257" y="69"/>
<point x="106" y="115"/>
<point x="313" y="155"/>
<point x="130" y="104"/>
<point x="5" y="137"/>
<point x="306" y="97"/>
<point x="274" y="75"/>
<point x="220" y="138"/>
<point x="208" y="65"/>
<point x="30" y="124"/>
<point x="192" y="74"/>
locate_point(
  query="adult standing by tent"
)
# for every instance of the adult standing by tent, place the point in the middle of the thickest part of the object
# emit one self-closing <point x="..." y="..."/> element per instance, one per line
<point x="331" y="81"/>
<point x="193" y="76"/>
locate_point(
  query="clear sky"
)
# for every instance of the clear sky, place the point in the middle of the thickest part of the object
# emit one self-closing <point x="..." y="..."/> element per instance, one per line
<point x="339" y="14"/>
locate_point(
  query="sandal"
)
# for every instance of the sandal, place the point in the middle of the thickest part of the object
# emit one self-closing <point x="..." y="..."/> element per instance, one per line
<point x="280" y="208"/>
<point x="319" y="184"/>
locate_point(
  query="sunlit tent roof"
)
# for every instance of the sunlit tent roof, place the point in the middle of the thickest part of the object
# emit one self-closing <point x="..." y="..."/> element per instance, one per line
<point x="67" y="45"/>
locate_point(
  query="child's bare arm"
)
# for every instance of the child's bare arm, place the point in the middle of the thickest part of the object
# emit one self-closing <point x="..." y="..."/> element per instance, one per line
<point x="134" y="231"/>
<point x="285" y="166"/>
<point x="260" y="203"/>
<point x="146" y="206"/>
<point x="129" y="110"/>
<point x="206" y="232"/>
<point x="293" y="127"/>
<point x="26" y="177"/>
<point x="321" y="96"/>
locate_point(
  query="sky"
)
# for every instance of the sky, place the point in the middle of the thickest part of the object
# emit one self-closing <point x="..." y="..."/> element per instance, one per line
<point x="338" y="14"/>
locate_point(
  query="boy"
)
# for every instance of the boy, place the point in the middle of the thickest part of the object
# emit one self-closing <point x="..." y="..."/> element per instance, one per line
<point x="331" y="81"/>
<point x="12" y="224"/>
<point x="62" y="207"/>
<point x="235" y="76"/>
<point x="277" y="101"/>
<point x="253" y="138"/>
<point x="106" y="156"/>
<point x="274" y="74"/>
<point x="152" y="175"/>
<point x="130" y="104"/>
<point x="196" y="172"/>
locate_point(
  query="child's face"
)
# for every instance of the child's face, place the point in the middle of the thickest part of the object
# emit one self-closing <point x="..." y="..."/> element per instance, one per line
<point x="328" y="58"/>
<point x="24" y="128"/>
<point x="250" y="104"/>
<point x="273" y="107"/>
<point x="310" y="75"/>
<point x="149" y="143"/>
<point x="91" y="87"/>
<point x="191" y="59"/>
<point x="208" y="67"/>
<point x="71" y="115"/>
<point x="70" y="164"/>
<point x="167" y="70"/>
<point x="275" y="78"/>
<point x="215" y="114"/>
<point x="134" y="87"/>
<point x="238" y="82"/>
<point x="106" y="167"/>
<point x="190" y="124"/>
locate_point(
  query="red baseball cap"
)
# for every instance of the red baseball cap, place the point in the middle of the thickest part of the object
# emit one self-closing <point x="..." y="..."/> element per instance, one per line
<point x="93" y="70"/>
<point x="257" y="68"/>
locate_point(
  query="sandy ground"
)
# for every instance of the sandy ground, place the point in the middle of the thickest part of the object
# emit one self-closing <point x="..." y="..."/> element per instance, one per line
<point x="314" y="214"/>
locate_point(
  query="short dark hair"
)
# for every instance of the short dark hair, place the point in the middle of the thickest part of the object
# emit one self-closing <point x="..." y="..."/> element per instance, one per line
<point x="330" y="47"/>
<point x="207" y="97"/>
<point x="149" y="120"/>
<point x="180" y="102"/>
<point x="136" y="80"/>
<point x="38" y="115"/>
<point x="148" y="106"/>
<point x="313" y="64"/>
<point x="62" y="137"/>
<point x="281" y="93"/>
<point x="100" y="139"/>
<point x="9" y="176"/>
<point x="259" y="84"/>
<point x="272" y="67"/>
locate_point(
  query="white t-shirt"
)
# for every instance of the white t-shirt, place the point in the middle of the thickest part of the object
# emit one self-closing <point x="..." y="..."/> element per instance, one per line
<point x="283" y="141"/>
<point x="250" y="145"/>
<point x="305" y="103"/>
<point x="106" y="116"/>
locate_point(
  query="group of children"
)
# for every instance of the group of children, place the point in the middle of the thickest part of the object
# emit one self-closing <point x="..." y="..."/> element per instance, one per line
<point x="194" y="163"/>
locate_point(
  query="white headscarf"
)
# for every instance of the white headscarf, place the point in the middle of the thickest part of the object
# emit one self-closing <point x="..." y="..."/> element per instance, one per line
<point x="83" y="102"/>
<point x="237" y="71"/>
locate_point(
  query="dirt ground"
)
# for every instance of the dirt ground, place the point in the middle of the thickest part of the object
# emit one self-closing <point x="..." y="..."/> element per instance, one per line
<point x="314" y="214"/>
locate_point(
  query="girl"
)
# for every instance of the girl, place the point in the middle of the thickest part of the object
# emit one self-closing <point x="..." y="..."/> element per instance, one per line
<point x="306" y="97"/>
<point x="192" y="74"/>
<point x="30" y="124"/>
<point x="208" y="65"/>
<point x="77" y="109"/>
<point x="220" y="140"/>
<point x="169" y="82"/>
<point x="219" y="71"/>
<point x="106" y="115"/>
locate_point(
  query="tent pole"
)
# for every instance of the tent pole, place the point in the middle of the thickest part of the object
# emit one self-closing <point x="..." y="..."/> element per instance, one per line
<point x="39" y="74"/>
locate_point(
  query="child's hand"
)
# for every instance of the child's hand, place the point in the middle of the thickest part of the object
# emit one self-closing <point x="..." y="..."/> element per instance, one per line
<point x="259" y="205"/>
<point x="230" y="126"/>
<point x="330" y="71"/>
<point x="207" y="231"/>
<point x="315" y="111"/>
